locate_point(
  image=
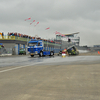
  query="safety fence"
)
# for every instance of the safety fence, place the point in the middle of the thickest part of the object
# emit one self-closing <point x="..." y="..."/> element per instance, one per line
<point x="14" y="38"/>
<point x="25" y="39"/>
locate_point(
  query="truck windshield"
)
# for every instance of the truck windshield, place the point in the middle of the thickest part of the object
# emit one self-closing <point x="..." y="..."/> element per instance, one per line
<point x="32" y="44"/>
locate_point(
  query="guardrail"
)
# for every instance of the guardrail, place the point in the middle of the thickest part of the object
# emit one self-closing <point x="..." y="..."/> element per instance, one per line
<point x="7" y="38"/>
<point x="24" y="39"/>
<point x="14" y="38"/>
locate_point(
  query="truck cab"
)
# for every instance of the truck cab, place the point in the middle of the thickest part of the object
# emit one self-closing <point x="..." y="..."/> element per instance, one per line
<point x="36" y="47"/>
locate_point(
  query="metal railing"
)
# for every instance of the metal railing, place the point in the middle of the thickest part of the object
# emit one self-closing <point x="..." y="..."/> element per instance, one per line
<point x="14" y="38"/>
<point x="23" y="39"/>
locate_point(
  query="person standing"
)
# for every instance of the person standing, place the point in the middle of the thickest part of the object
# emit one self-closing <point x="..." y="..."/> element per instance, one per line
<point x="2" y="35"/>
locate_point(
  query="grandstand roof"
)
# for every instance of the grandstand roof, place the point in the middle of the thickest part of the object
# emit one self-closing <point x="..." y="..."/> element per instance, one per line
<point x="72" y="33"/>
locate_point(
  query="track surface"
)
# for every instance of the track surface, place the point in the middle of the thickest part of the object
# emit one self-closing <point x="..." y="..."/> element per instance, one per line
<point x="27" y="60"/>
<point x="50" y="78"/>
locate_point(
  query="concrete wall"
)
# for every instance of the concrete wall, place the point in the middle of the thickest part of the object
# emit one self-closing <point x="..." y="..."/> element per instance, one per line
<point x="9" y="45"/>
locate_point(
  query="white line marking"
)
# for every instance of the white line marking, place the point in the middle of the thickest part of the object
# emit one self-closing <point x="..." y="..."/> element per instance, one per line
<point x="19" y="67"/>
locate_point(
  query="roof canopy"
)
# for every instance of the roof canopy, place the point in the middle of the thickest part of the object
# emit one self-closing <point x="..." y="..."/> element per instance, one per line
<point x="71" y="34"/>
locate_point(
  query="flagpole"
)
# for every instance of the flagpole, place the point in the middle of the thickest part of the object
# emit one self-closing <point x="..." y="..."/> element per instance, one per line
<point x="29" y="29"/>
<point x="47" y="38"/>
<point x="36" y="24"/>
<point x="26" y="20"/>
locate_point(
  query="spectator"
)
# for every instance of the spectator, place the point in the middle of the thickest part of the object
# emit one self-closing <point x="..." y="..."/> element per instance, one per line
<point x="2" y="46"/>
<point x="2" y="34"/>
<point x="8" y="34"/>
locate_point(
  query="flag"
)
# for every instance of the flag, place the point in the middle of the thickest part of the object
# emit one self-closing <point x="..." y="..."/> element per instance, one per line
<point x="32" y="22"/>
<point x="27" y="19"/>
<point x="47" y="28"/>
<point x="63" y="35"/>
<point x="60" y="34"/>
<point x="37" y="23"/>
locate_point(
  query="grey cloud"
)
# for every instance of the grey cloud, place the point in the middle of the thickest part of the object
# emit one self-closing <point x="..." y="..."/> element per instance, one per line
<point x="65" y="16"/>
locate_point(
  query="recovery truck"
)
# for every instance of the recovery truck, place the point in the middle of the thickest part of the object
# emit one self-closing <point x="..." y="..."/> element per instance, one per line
<point x="36" y="47"/>
<point x="72" y="50"/>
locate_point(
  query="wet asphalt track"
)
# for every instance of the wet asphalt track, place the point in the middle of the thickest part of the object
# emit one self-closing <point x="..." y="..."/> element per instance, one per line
<point x="51" y="81"/>
<point x="47" y="60"/>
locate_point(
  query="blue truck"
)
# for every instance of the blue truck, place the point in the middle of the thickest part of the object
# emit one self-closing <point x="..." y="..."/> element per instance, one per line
<point x="40" y="47"/>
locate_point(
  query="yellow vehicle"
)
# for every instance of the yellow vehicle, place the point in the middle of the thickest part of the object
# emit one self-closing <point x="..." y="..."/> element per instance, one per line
<point x="22" y="51"/>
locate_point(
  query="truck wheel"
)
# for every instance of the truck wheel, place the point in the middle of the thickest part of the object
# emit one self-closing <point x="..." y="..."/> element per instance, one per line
<point x="41" y="54"/>
<point x="51" y="53"/>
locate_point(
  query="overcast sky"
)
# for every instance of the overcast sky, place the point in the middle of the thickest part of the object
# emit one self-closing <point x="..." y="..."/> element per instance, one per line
<point x="64" y="16"/>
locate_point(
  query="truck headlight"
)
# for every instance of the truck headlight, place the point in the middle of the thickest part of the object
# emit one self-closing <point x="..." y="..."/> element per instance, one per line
<point x="36" y="52"/>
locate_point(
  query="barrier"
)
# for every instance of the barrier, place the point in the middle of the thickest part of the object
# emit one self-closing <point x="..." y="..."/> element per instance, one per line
<point x="14" y="38"/>
<point x="7" y="38"/>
